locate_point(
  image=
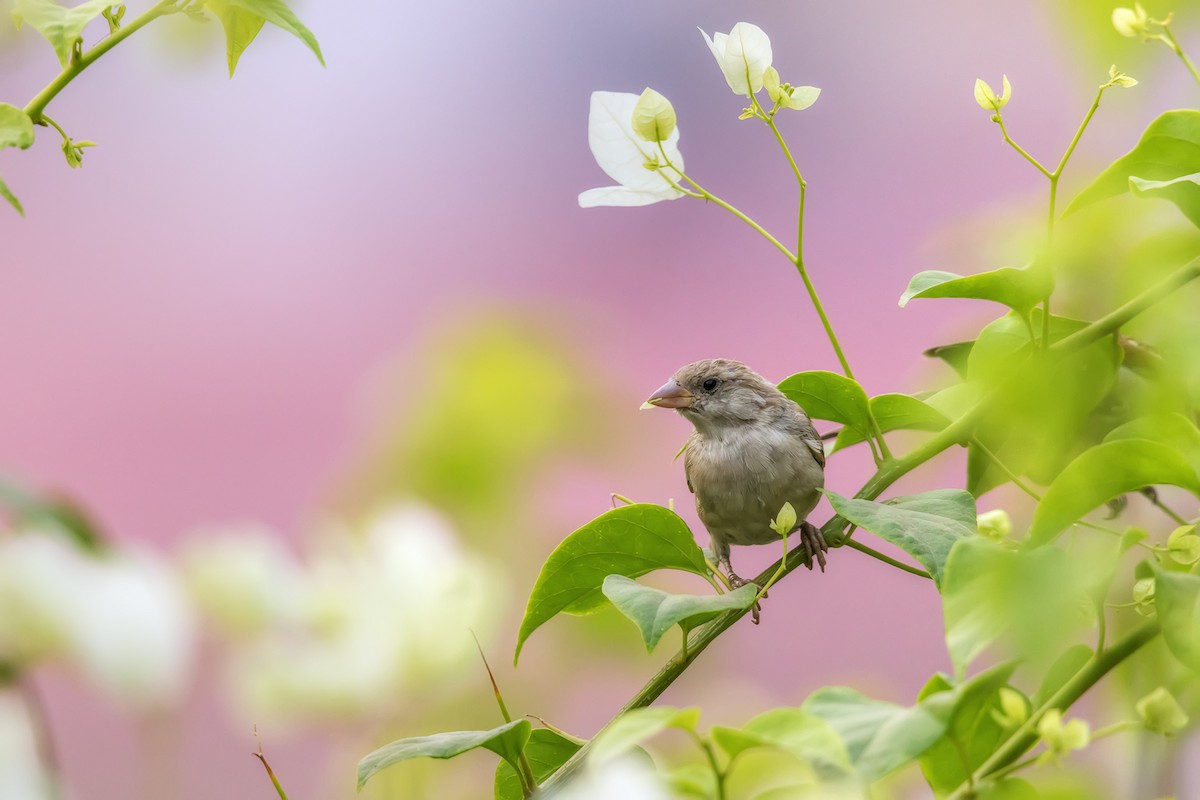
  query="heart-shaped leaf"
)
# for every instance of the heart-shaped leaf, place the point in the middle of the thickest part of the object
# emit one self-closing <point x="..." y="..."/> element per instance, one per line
<point x="278" y="14"/>
<point x="894" y="412"/>
<point x="1177" y="598"/>
<point x="829" y="396"/>
<point x="61" y="26"/>
<point x="795" y="731"/>
<point x="655" y="611"/>
<point x="507" y="741"/>
<point x="630" y="541"/>
<point x="924" y="525"/>
<point x="1019" y="289"/>
<point x="636" y="726"/>
<point x="546" y="751"/>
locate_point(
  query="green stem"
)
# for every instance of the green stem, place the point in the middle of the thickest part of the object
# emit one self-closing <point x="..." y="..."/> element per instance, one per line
<point x="958" y="432"/>
<point x="1025" y="737"/>
<point x="778" y="573"/>
<point x="1174" y="45"/>
<point x="1024" y="154"/>
<point x="718" y="773"/>
<point x="854" y="544"/>
<point x="75" y="66"/>
<point x="46" y="119"/>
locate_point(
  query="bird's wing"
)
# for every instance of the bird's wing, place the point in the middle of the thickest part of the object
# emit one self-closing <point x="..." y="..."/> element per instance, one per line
<point x="688" y="450"/>
<point x="808" y="434"/>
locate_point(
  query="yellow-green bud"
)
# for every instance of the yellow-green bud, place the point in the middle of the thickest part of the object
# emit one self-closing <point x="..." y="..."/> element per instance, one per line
<point x="1183" y="545"/>
<point x="785" y="522"/>
<point x="1161" y="713"/>
<point x="1013" y="710"/>
<point x="986" y="97"/>
<point x="1062" y="738"/>
<point x="1143" y="597"/>
<point x="1131" y="22"/>
<point x="994" y="524"/>
<point x="653" y="117"/>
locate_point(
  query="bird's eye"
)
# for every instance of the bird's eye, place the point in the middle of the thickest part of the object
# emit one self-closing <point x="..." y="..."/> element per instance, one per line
<point x="710" y="385"/>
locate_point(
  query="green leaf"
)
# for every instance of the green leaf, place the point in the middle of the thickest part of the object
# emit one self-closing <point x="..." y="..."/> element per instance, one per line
<point x="926" y="526"/>
<point x="507" y="741"/>
<point x="16" y="128"/>
<point x="241" y="29"/>
<point x="1103" y="472"/>
<point x="1177" y="598"/>
<point x="1030" y="597"/>
<point x="278" y="14"/>
<point x="879" y="736"/>
<point x="972" y="733"/>
<point x="1183" y="191"/>
<point x="800" y="733"/>
<point x="1019" y="289"/>
<point x="829" y="396"/>
<point x="546" y="752"/>
<point x="636" y="726"/>
<point x="62" y="27"/>
<point x="1062" y="670"/>
<point x="1172" y="429"/>
<point x="630" y="541"/>
<point x="1169" y="150"/>
<point x="655" y="611"/>
<point x="894" y="412"/>
<point x="1013" y="789"/>
<point x="955" y="355"/>
<point x="7" y="194"/>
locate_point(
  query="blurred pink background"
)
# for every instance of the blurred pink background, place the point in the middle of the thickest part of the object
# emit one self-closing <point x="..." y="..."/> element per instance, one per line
<point x="192" y="324"/>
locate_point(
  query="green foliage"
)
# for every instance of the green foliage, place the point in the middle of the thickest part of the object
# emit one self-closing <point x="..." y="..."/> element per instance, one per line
<point x="1163" y="164"/>
<point x="1177" y="599"/>
<point x="894" y="412"/>
<point x="630" y="541"/>
<point x="62" y="27"/>
<point x="795" y="731"/>
<point x="655" y="612"/>
<point x="833" y="397"/>
<point x="16" y="128"/>
<point x="926" y="526"/>
<point x="634" y="727"/>
<point x="243" y="19"/>
<point x="506" y="741"/>
<point x="7" y="194"/>
<point x="1019" y="289"/>
<point x="546" y="751"/>
<point x="1104" y="472"/>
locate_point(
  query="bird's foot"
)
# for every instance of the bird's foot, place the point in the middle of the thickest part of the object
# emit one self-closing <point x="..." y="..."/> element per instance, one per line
<point x="736" y="583"/>
<point x="814" y="545"/>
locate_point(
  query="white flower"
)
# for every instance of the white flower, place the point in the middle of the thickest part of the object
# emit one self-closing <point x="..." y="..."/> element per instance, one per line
<point x="640" y="167"/>
<point x="1130" y="22"/>
<point x="743" y="56"/>
<point x="787" y="96"/>
<point x="40" y="579"/>
<point x="243" y="578"/>
<point x="627" y="779"/>
<point x="21" y="774"/>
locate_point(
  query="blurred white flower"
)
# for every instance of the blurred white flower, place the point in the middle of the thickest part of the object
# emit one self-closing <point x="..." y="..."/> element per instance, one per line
<point x="627" y="779"/>
<point x="243" y="578"/>
<point x="640" y="167"/>
<point x="119" y="618"/>
<point x="21" y="774"/>
<point x="384" y="610"/>
<point x="1131" y="22"/>
<point x="743" y="56"/>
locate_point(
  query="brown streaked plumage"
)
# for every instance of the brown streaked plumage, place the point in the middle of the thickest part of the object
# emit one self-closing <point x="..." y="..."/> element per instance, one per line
<point x="752" y="451"/>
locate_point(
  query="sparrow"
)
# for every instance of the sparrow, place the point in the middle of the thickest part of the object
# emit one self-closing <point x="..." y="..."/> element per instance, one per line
<point x="753" y="450"/>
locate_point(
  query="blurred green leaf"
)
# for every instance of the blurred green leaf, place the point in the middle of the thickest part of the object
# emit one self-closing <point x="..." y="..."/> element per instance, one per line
<point x="1168" y="151"/>
<point x="800" y="733"/>
<point x="1103" y="472"/>
<point x="1062" y="670"/>
<point x="955" y="355"/>
<point x="1177" y="598"/>
<point x="879" y="736"/>
<point x="35" y="511"/>
<point x="506" y="741"/>
<point x="926" y="526"/>
<point x="62" y="27"/>
<point x="972" y="733"/>
<point x="1173" y="430"/>
<point x="655" y="612"/>
<point x="630" y="541"/>
<point x="636" y="726"/>
<point x="1019" y="289"/>
<point x="7" y="194"/>
<point x="1183" y="191"/>
<point x="1009" y="789"/>
<point x="241" y="28"/>
<point x="1030" y="597"/>
<point x="829" y="396"/>
<point x="278" y="14"/>
<point x="16" y="128"/>
<point x="546" y="752"/>
<point x="894" y="412"/>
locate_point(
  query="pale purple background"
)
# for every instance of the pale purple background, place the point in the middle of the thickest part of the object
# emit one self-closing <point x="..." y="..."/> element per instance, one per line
<point x="187" y="324"/>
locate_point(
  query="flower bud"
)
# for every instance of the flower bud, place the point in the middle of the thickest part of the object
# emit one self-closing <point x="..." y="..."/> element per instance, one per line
<point x="986" y="97"/>
<point x="1143" y="597"/>
<point x="1062" y="738"/>
<point x="1183" y="545"/>
<point x="1013" y="709"/>
<point x="653" y="117"/>
<point x="1161" y="713"/>
<point x="1131" y="22"/>
<point x="785" y="522"/>
<point x="994" y="524"/>
<point x="785" y="95"/>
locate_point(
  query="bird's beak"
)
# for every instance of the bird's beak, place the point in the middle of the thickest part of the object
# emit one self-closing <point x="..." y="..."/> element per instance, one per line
<point x="670" y="395"/>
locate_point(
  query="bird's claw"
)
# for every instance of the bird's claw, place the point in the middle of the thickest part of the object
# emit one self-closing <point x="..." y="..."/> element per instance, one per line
<point x="814" y="545"/>
<point x="736" y="583"/>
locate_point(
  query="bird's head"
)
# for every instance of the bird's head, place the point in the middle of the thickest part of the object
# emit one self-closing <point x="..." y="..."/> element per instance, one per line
<point x="716" y="394"/>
